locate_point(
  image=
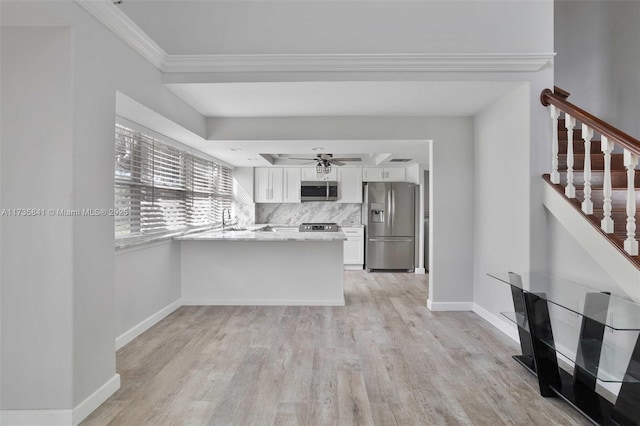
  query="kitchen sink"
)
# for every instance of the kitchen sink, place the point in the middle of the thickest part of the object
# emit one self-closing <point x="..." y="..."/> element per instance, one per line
<point x="234" y="229"/>
<point x="278" y="229"/>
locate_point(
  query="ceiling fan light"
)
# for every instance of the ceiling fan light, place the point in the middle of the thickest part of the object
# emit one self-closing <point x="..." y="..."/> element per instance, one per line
<point x="327" y="168"/>
<point x="319" y="168"/>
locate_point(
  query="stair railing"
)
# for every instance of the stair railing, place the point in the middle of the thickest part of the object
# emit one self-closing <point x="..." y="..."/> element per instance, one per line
<point x="557" y="102"/>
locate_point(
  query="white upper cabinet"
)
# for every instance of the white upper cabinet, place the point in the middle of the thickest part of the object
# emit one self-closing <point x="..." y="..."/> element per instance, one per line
<point x="291" y="185"/>
<point x="380" y="174"/>
<point x="397" y="174"/>
<point x="261" y="191"/>
<point x="268" y="186"/>
<point x="309" y="174"/>
<point x="373" y="174"/>
<point x="350" y="185"/>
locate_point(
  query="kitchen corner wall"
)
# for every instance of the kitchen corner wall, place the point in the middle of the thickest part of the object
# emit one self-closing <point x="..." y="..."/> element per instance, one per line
<point x="320" y="211"/>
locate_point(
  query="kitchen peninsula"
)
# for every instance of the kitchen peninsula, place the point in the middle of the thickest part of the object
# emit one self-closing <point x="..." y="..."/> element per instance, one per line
<point x="263" y="266"/>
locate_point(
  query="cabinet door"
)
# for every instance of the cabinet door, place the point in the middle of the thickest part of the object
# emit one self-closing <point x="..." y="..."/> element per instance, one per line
<point x="373" y="174"/>
<point x="277" y="183"/>
<point x="291" y="185"/>
<point x="354" y="246"/>
<point x="350" y="185"/>
<point x="261" y="192"/>
<point x="309" y="174"/>
<point x="395" y="175"/>
<point x="333" y="175"/>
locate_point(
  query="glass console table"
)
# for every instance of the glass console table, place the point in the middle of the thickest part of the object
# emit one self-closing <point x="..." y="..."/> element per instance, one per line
<point x="595" y="332"/>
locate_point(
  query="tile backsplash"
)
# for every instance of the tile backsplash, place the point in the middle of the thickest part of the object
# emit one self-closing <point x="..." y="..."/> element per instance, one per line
<point x="320" y="211"/>
<point x="244" y="209"/>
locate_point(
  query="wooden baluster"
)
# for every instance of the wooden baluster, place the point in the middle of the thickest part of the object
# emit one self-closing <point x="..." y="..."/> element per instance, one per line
<point x="555" y="113"/>
<point x="569" y="123"/>
<point x="587" y="204"/>
<point x="607" y="223"/>
<point x="631" y="244"/>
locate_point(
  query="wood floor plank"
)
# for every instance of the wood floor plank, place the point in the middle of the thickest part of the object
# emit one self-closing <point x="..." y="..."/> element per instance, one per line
<point x="383" y="359"/>
<point x="353" y="402"/>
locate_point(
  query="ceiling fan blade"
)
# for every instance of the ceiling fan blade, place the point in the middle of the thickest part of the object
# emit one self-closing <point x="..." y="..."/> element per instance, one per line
<point x="335" y="162"/>
<point x="346" y="159"/>
<point x="298" y="158"/>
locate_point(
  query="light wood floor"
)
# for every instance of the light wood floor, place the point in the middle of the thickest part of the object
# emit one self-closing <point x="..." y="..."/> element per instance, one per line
<point x="384" y="359"/>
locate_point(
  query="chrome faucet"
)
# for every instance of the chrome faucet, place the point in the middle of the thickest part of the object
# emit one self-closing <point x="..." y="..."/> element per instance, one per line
<point x="228" y="216"/>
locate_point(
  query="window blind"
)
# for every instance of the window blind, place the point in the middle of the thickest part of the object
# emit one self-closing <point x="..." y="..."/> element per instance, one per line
<point x="165" y="190"/>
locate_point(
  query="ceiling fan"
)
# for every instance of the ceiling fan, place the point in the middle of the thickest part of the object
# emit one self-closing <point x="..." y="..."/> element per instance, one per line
<point x="326" y="159"/>
<point x="324" y="162"/>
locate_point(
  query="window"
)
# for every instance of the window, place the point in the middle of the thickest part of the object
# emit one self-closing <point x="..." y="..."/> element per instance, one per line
<point x="165" y="190"/>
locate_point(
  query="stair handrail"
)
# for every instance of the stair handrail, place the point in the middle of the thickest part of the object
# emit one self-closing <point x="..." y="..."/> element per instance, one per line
<point x="558" y="98"/>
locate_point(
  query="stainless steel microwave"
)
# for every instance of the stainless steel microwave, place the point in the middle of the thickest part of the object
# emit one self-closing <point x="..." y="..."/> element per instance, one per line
<point x="319" y="191"/>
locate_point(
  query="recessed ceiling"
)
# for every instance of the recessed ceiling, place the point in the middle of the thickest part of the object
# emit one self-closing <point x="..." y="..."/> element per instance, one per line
<point x="342" y="98"/>
<point x="252" y="153"/>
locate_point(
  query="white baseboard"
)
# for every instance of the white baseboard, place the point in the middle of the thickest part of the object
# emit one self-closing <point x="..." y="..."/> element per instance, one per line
<point x="93" y="401"/>
<point x="420" y="271"/>
<point x="146" y="324"/>
<point x="449" y="306"/>
<point x="354" y="267"/>
<point x="61" y="417"/>
<point x="507" y="328"/>
<point x="261" y="302"/>
<point x="36" y="417"/>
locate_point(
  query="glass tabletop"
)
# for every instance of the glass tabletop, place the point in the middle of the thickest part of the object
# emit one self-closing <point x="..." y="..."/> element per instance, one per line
<point x="617" y="313"/>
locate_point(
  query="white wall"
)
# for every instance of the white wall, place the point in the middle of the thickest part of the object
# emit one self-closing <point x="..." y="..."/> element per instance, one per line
<point x="451" y="217"/>
<point x="93" y="74"/>
<point x="147" y="280"/>
<point x="569" y="260"/>
<point x="37" y="252"/>
<point x="598" y="53"/>
<point x="626" y="63"/>
<point x="502" y="200"/>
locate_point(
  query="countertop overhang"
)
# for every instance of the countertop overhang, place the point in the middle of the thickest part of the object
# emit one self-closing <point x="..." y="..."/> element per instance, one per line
<point x="256" y="233"/>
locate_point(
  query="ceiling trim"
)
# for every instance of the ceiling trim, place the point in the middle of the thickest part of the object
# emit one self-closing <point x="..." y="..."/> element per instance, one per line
<point x="405" y="62"/>
<point x="118" y="22"/>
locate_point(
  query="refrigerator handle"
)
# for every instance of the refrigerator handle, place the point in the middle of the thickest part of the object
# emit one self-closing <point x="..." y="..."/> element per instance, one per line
<point x="388" y="219"/>
<point x="393" y="206"/>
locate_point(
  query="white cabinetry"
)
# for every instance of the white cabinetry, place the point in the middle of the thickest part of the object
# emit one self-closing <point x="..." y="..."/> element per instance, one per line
<point x="268" y="185"/>
<point x="309" y="174"/>
<point x="379" y="174"/>
<point x="291" y="184"/>
<point x="350" y="185"/>
<point x="353" y="247"/>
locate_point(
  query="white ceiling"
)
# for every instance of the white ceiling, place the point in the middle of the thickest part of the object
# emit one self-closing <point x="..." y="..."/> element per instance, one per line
<point x="342" y="98"/>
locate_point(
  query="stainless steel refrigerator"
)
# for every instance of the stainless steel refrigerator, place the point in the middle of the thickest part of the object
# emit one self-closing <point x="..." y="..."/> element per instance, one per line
<point x="390" y="225"/>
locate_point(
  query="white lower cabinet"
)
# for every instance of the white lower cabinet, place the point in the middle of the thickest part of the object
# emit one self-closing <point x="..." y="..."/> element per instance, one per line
<point x="353" y="247"/>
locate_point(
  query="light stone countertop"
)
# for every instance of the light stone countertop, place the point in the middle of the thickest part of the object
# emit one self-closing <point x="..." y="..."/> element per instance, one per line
<point x="255" y="233"/>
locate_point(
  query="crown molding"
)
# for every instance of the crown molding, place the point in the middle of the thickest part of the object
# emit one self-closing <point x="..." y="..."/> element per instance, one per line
<point x="118" y="22"/>
<point x="406" y="62"/>
<point x="109" y="14"/>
